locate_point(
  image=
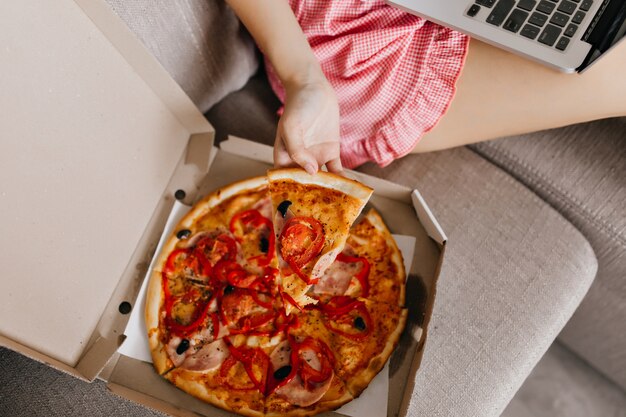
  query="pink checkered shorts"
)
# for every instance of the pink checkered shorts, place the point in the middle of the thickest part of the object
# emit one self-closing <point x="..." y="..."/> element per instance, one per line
<point x="394" y="73"/>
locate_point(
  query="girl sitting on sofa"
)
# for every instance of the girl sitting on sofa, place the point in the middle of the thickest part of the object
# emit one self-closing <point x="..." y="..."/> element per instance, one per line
<point x="363" y="81"/>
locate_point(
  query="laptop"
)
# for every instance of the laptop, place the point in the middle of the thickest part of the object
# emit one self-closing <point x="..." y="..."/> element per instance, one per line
<point x="568" y="35"/>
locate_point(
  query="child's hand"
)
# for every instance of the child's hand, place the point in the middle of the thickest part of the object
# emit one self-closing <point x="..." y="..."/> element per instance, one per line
<point x="308" y="130"/>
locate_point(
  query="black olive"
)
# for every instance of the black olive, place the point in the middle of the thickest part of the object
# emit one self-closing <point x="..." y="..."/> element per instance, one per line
<point x="282" y="207"/>
<point x="283" y="372"/>
<point x="183" y="234"/>
<point x="359" y="323"/>
<point x="229" y="289"/>
<point x="184" y="345"/>
<point x="180" y="194"/>
<point x="264" y="245"/>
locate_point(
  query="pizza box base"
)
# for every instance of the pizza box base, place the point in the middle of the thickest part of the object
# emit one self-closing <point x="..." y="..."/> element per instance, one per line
<point x="129" y="108"/>
<point x="404" y="213"/>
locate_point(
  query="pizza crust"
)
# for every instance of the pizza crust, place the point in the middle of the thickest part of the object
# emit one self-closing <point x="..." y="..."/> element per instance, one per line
<point x="396" y="256"/>
<point x="335" y="397"/>
<point x="154" y="297"/>
<point x="323" y="179"/>
<point x="358" y="383"/>
<point x="192" y="383"/>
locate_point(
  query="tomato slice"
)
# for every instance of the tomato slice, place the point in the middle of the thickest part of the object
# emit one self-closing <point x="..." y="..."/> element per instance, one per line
<point x="301" y="240"/>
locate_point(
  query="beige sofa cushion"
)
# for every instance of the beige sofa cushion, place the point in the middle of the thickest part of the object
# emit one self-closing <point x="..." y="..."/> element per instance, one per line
<point x="201" y="43"/>
<point x="515" y="271"/>
<point x="581" y="171"/>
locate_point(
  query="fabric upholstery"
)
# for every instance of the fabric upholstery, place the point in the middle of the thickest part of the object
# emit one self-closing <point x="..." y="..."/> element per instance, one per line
<point x="581" y="171"/>
<point x="32" y="389"/>
<point x="247" y="113"/>
<point x="200" y="43"/>
<point x="515" y="271"/>
<point x="563" y="385"/>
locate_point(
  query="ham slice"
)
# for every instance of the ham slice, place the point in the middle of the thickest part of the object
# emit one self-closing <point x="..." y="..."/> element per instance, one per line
<point x="171" y="351"/>
<point x="264" y="207"/>
<point x="281" y="355"/>
<point x="296" y="393"/>
<point x="208" y="358"/>
<point x="336" y="279"/>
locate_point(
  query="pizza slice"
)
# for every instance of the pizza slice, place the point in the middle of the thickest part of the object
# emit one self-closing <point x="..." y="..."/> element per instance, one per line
<point x="230" y="373"/>
<point x="370" y="265"/>
<point x="303" y="379"/>
<point x="364" y="335"/>
<point x="312" y="219"/>
<point x="215" y="275"/>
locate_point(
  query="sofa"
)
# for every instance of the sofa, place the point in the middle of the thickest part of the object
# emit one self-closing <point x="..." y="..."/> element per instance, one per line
<point x="530" y="315"/>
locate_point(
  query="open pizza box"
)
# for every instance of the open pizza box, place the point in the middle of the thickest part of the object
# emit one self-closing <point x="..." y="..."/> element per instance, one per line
<point x="96" y="140"/>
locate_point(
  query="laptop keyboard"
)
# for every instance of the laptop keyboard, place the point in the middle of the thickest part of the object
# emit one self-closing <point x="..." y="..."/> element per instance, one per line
<point x="550" y="22"/>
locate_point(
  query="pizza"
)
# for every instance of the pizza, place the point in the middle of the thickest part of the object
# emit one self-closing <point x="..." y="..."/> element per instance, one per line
<point x="267" y="300"/>
<point x="315" y="209"/>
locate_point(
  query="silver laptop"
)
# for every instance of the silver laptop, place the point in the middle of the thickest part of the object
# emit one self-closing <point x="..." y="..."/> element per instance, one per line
<point x="568" y="35"/>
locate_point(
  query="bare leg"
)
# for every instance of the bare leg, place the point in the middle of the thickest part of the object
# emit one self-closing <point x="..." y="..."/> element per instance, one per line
<point x="500" y="94"/>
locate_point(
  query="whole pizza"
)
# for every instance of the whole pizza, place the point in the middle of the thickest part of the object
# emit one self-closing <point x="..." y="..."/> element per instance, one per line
<point x="269" y="300"/>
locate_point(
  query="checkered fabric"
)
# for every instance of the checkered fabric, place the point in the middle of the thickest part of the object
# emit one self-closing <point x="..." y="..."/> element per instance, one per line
<point x="394" y="73"/>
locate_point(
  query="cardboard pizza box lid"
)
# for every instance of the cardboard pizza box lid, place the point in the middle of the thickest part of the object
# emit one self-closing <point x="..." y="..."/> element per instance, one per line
<point x="92" y="129"/>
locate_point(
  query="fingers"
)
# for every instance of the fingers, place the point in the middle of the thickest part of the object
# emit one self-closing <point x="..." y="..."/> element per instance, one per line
<point x="281" y="157"/>
<point x="292" y="144"/>
<point x="335" y="166"/>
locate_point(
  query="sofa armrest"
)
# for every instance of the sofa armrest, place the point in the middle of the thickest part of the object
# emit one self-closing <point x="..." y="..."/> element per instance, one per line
<point x="200" y="43"/>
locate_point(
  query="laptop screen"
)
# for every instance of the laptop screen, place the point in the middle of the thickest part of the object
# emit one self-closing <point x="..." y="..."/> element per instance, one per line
<point x="608" y="29"/>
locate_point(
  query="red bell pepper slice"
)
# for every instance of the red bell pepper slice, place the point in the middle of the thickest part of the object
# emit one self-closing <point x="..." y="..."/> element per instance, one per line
<point x="230" y="272"/>
<point x="252" y="359"/>
<point x="188" y="262"/>
<point x="345" y="310"/>
<point x="309" y="374"/>
<point x="225" y="369"/>
<point x="272" y="383"/>
<point x="199" y="317"/>
<point x="254" y="219"/>
<point x="290" y="300"/>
